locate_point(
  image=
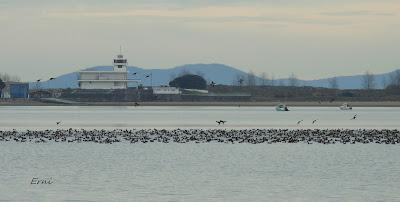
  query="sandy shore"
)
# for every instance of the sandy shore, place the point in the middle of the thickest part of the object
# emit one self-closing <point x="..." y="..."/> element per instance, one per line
<point x="255" y="104"/>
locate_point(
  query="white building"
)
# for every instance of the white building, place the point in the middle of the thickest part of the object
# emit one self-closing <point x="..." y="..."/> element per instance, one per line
<point x="114" y="79"/>
<point x="166" y="90"/>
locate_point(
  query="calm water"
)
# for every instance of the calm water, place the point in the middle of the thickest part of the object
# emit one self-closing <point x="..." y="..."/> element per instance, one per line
<point x="195" y="117"/>
<point x="198" y="172"/>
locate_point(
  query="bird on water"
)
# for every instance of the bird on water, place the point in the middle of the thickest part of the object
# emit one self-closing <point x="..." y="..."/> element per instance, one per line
<point x="221" y="122"/>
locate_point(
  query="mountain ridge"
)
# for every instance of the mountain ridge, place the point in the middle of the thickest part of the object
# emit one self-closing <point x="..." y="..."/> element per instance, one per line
<point x="219" y="73"/>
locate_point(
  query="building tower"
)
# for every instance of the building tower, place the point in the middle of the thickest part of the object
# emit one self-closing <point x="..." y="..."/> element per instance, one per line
<point x="120" y="64"/>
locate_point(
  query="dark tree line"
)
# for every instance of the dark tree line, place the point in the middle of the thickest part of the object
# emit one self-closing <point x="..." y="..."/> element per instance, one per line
<point x="6" y="77"/>
<point x="189" y="81"/>
<point x="2" y="84"/>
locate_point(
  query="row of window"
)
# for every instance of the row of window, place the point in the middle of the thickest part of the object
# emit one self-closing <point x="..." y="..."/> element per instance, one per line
<point x="119" y="61"/>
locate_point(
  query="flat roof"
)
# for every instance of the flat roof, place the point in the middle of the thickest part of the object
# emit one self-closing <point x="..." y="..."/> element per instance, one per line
<point x="111" y="71"/>
<point x="114" y="80"/>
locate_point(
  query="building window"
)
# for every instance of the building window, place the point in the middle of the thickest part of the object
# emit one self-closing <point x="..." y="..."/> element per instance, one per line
<point x="119" y="66"/>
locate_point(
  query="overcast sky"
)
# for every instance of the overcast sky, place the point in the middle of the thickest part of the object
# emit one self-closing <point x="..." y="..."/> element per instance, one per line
<point x="310" y="38"/>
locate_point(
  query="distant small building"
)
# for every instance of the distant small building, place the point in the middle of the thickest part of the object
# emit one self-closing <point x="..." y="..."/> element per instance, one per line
<point x="166" y="90"/>
<point x="40" y="94"/>
<point x="15" y="90"/>
<point x="114" y="79"/>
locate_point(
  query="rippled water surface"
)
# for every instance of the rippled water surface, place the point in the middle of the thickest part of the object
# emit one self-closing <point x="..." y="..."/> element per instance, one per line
<point x="195" y="117"/>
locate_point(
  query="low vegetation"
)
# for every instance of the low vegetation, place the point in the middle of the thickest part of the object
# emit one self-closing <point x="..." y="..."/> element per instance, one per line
<point x="306" y="93"/>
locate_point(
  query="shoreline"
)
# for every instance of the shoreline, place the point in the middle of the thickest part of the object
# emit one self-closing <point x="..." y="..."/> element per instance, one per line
<point x="228" y="104"/>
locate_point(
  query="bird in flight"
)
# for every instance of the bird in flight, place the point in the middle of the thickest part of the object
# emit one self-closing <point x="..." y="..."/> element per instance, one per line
<point x="354" y="117"/>
<point x="147" y="76"/>
<point x="299" y="122"/>
<point x="314" y="121"/>
<point x="58" y="123"/>
<point x="52" y="78"/>
<point x="38" y="80"/>
<point x="212" y="84"/>
<point x="136" y="104"/>
<point x="221" y="122"/>
<point x="134" y="73"/>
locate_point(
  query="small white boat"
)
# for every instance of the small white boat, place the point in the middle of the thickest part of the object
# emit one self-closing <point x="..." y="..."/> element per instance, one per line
<point x="281" y="108"/>
<point x="346" y="106"/>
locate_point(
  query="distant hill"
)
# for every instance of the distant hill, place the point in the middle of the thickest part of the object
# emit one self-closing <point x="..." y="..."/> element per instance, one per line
<point x="219" y="73"/>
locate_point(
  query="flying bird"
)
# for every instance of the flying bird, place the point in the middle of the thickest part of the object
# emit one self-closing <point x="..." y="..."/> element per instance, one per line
<point x="221" y="122"/>
<point x="354" y="117"/>
<point x="58" y="123"/>
<point x="212" y="83"/>
<point x="136" y="104"/>
<point x="134" y="73"/>
<point x="298" y="122"/>
<point x="147" y="76"/>
<point x="38" y="80"/>
<point x="314" y="121"/>
<point x="52" y="78"/>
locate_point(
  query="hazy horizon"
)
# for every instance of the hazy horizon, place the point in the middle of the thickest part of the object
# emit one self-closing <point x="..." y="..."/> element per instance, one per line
<point x="312" y="39"/>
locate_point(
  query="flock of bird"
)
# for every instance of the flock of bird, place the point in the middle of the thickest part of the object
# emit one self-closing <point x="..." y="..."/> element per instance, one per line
<point x="252" y="136"/>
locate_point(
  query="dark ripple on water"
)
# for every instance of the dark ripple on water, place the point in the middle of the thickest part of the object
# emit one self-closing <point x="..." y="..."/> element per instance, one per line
<point x="250" y="136"/>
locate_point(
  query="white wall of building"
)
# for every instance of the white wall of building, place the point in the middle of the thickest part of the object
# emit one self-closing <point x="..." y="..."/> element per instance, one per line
<point x="103" y="75"/>
<point x="115" y="79"/>
<point x="102" y="85"/>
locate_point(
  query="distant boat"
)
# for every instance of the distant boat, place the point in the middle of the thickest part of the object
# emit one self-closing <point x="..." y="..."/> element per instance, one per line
<point x="345" y="106"/>
<point x="281" y="108"/>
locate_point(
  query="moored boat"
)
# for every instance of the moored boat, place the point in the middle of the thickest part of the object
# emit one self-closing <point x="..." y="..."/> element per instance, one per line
<point x="346" y="106"/>
<point x="282" y="108"/>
